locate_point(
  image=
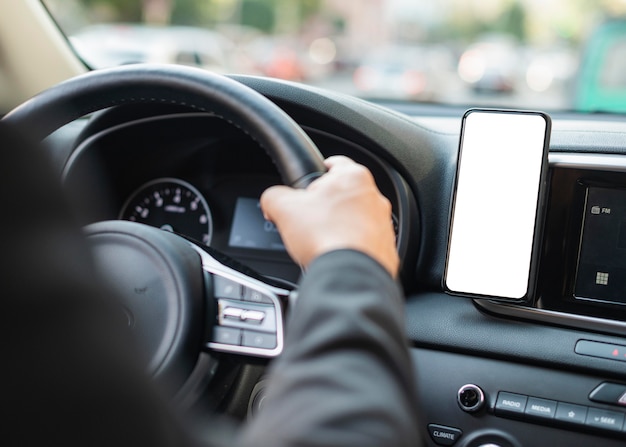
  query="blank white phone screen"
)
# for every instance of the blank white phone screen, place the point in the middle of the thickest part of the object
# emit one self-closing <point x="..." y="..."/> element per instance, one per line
<point x="494" y="214"/>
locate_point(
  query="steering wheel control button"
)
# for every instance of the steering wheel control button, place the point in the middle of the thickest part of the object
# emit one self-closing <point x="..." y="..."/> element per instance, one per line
<point x="253" y="316"/>
<point x="443" y="435"/>
<point x="511" y="404"/>
<point x="540" y="408"/>
<point x="227" y="335"/>
<point x="259" y="317"/>
<point x="233" y="313"/>
<point x="254" y="296"/>
<point x="573" y="414"/>
<point x="606" y="420"/>
<point x="609" y="393"/>
<point x="254" y="339"/>
<point x="226" y="288"/>
<point x="238" y="314"/>
<point x="470" y="398"/>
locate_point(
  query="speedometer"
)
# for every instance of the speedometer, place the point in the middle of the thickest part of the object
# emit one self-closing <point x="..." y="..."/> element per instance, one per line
<point x="172" y="205"/>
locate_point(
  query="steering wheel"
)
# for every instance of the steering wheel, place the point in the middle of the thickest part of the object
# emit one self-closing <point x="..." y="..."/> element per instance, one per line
<point x="179" y="299"/>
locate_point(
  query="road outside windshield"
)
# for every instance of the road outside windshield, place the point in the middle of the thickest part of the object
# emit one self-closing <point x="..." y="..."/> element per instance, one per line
<point x="545" y="54"/>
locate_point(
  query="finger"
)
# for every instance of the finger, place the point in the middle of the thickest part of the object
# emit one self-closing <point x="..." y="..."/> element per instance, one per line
<point x="332" y="163"/>
<point x="338" y="160"/>
<point x="342" y="165"/>
<point x="273" y="200"/>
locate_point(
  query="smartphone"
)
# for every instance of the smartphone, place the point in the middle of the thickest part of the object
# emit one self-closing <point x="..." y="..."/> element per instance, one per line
<point x="497" y="205"/>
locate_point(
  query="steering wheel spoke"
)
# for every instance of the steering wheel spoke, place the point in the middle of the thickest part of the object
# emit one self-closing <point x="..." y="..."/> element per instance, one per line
<point x="249" y="317"/>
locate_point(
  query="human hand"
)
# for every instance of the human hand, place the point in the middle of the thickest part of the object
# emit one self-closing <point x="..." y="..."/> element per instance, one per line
<point x="343" y="209"/>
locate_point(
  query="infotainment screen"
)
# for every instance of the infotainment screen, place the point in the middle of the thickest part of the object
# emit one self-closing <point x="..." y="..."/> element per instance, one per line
<point x="251" y="230"/>
<point x="601" y="272"/>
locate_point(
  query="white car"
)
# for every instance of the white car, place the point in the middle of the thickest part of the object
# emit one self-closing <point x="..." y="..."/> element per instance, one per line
<point x="109" y="45"/>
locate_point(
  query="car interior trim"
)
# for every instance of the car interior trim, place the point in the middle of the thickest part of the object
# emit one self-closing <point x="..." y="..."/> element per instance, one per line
<point x="584" y="322"/>
<point x="595" y="162"/>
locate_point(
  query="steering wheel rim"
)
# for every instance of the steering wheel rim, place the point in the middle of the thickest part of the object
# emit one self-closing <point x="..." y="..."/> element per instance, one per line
<point x="298" y="160"/>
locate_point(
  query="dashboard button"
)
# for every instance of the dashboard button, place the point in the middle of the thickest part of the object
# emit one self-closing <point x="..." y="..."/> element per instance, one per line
<point x="509" y="403"/>
<point x="602" y="350"/>
<point x="443" y="435"/>
<point x="609" y="393"/>
<point x="540" y="408"/>
<point x="607" y="420"/>
<point x="227" y="335"/>
<point x="575" y="414"/>
<point x="226" y="288"/>
<point x="254" y="339"/>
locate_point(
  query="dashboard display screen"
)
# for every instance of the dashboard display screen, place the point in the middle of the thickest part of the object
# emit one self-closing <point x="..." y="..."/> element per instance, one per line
<point x="251" y="230"/>
<point x="601" y="273"/>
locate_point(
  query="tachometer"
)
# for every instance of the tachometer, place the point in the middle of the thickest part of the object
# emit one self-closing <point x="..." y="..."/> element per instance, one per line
<point x="173" y="205"/>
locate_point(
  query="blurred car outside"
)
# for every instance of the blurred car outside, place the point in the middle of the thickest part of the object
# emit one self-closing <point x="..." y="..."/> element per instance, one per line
<point x="550" y="73"/>
<point x="109" y="45"/>
<point x="277" y="57"/>
<point x="491" y="65"/>
<point x="404" y="72"/>
<point x="288" y="58"/>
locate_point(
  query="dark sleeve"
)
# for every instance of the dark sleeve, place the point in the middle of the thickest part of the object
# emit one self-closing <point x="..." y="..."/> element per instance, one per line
<point x="345" y="377"/>
<point x="69" y="374"/>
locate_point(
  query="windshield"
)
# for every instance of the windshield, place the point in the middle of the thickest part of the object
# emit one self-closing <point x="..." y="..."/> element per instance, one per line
<point x="542" y="54"/>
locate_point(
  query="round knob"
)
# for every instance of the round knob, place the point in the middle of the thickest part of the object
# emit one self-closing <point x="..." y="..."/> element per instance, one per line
<point x="489" y="438"/>
<point x="470" y="398"/>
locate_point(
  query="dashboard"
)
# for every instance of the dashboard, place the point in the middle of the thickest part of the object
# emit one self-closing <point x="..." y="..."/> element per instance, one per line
<point x="198" y="176"/>
<point x="486" y="372"/>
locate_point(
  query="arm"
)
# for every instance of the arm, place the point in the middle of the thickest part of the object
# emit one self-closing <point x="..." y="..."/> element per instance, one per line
<point x="345" y="377"/>
<point x="69" y="374"/>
